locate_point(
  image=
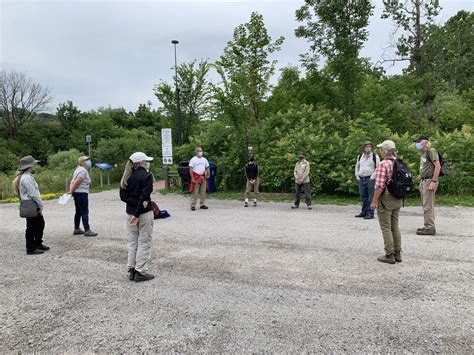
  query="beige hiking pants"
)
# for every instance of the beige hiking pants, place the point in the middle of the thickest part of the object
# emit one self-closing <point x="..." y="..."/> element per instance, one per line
<point x="428" y="202"/>
<point x="139" y="242"/>
<point x="199" y="190"/>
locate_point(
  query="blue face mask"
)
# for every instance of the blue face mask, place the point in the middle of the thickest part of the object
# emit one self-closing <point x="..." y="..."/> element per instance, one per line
<point x="418" y="146"/>
<point x="88" y="163"/>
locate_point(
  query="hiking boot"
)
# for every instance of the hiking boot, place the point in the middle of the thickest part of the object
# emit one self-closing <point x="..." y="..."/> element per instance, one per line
<point x="34" y="252"/>
<point x="360" y="215"/>
<point x="369" y="216"/>
<point x="139" y="277"/>
<point x="132" y="272"/>
<point x="77" y="232"/>
<point x="90" y="233"/>
<point x="294" y="206"/>
<point x="246" y="204"/>
<point x="425" y="231"/>
<point x="309" y="207"/>
<point x="389" y="259"/>
<point x="42" y="247"/>
<point x="193" y="208"/>
<point x="203" y="207"/>
<point x="398" y="256"/>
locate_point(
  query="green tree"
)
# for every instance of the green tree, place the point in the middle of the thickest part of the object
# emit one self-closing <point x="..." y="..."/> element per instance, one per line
<point x="337" y="31"/>
<point x="68" y="115"/>
<point x="195" y="97"/>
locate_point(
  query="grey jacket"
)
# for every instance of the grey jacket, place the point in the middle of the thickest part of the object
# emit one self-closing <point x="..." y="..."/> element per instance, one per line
<point x="29" y="189"/>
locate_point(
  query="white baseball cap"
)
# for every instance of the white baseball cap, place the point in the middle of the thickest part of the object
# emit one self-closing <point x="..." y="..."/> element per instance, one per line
<point x="139" y="156"/>
<point x="387" y="145"/>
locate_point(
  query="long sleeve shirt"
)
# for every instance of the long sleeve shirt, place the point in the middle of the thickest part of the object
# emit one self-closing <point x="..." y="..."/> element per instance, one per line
<point x="139" y="189"/>
<point x="383" y="173"/>
<point x="301" y="171"/>
<point x="29" y="189"/>
<point x="365" y="165"/>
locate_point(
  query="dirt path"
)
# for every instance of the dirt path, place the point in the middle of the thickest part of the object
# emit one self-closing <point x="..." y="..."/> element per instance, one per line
<point x="236" y="279"/>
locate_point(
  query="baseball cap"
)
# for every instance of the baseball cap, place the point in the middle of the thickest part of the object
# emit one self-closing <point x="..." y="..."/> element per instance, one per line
<point x="387" y="145"/>
<point x="139" y="156"/>
<point x="421" y="138"/>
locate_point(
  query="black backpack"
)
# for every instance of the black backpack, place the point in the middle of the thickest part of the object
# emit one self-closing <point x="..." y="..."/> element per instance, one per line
<point x="444" y="167"/>
<point x="401" y="183"/>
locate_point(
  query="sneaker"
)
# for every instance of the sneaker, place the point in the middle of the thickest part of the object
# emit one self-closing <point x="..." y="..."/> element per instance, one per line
<point x="90" y="233"/>
<point x="309" y="207"/>
<point x="132" y="272"/>
<point x="42" y="247"/>
<point x="360" y="215"/>
<point x="203" y="207"/>
<point x="193" y="208"/>
<point x="246" y="204"/>
<point x="77" y="232"/>
<point x="294" y="206"/>
<point x="389" y="259"/>
<point x="139" y="277"/>
<point x="34" y="252"/>
<point x="369" y="216"/>
<point x="424" y="231"/>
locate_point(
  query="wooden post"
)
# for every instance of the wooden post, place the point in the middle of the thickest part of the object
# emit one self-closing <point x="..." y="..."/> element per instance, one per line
<point x="67" y="185"/>
<point x="166" y="171"/>
<point x="101" y="181"/>
<point x="108" y="178"/>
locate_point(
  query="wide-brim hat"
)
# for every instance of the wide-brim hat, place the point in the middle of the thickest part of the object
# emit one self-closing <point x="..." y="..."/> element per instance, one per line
<point x="367" y="143"/>
<point x="27" y="162"/>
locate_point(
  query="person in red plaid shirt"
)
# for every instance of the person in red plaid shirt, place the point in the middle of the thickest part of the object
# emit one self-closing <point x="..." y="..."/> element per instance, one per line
<point x="388" y="206"/>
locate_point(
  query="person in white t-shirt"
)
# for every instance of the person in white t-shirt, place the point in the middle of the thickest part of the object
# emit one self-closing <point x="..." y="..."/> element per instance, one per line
<point x="199" y="171"/>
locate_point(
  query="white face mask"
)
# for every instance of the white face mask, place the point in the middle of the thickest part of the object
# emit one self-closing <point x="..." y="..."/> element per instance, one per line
<point x="199" y="154"/>
<point x="147" y="166"/>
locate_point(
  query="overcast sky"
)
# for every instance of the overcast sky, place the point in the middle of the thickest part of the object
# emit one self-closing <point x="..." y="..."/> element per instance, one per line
<point x="101" y="53"/>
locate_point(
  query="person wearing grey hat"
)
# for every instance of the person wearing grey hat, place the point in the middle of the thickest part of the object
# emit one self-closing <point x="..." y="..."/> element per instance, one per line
<point x="79" y="189"/>
<point x="388" y="206"/>
<point x="366" y="164"/>
<point x="26" y="188"/>
<point x="136" y="187"/>
<point x="430" y="168"/>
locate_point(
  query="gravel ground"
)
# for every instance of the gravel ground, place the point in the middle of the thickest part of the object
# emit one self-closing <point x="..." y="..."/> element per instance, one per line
<point x="238" y="279"/>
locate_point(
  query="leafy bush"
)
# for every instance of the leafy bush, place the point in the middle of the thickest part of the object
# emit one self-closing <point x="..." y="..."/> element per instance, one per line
<point x="64" y="160"/>
<point x="8" y="161"/>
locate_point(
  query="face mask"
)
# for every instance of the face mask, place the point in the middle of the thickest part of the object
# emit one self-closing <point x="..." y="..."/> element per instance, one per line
<point x="418" y="146"/>
<point x="88" y="163"/>
<point x="251" y="159"/>
<point x="368" y="149"/>
<point x="199" y="154"/>
<point x="301" y="157"/>
<point x="147" y="166"/>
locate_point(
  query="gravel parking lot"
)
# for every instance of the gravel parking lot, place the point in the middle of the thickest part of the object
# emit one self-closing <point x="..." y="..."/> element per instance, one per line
<point x="238" y="279"/>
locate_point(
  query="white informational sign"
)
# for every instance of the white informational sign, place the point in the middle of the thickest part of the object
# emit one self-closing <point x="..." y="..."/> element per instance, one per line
<point x="88" y="138"/>
<point x="167" y="160"/>
<point x="167" y="146"/>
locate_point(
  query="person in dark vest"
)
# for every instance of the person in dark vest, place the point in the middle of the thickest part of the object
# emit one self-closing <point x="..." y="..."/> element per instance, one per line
<point x="365" y="167"/>
<point x="136" y="187"/>
<point x="253" y="180"/>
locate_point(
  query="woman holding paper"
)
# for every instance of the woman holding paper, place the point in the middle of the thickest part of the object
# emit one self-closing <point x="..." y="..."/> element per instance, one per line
<point x="31" y="205"/>
<point x="79" y="189"/>
<point x="135" y="190"/>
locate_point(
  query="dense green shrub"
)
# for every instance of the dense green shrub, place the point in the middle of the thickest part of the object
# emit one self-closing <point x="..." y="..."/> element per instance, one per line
<point x="8" y="160"/>
<point x="64" y="160"/>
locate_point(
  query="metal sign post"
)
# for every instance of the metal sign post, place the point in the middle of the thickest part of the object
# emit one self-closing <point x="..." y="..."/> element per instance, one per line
<point x="88" y="141"/>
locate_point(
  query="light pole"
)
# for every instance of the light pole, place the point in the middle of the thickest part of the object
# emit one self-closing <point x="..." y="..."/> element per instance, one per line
<point x="178" y="107"/>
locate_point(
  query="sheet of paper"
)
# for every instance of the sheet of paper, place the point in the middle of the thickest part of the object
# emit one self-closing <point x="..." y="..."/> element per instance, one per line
<point x="64" y="199"/>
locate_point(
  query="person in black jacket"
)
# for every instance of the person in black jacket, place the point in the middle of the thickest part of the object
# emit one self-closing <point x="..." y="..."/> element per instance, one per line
<point x="135" y="190"/>
<point x="253" y="180"/>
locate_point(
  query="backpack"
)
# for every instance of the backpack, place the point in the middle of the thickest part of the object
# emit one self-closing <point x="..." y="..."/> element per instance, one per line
<point x="374" y="158"/>
<point x="156" y="210"/>
<point x="444" y="167"/>
<point x="401" y="183"/>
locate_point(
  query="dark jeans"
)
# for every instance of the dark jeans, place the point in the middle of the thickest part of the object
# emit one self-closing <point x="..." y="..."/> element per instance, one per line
<point x="81" y="201"/>
<point x="34" y="232"/>
<point x="366" y="190"/>
<point x="307" y="194"/>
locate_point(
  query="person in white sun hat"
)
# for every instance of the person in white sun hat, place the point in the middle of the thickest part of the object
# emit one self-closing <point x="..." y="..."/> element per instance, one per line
<point x="136" y="187"/>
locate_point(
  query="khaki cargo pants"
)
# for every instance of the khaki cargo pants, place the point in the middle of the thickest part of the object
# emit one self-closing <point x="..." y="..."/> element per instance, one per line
<point x="428" y="202"/>
<point x="199" y="190"/>
<point x="387" y="213"/>
<point x="139" y="242"/>
<point x="255" y="185"/>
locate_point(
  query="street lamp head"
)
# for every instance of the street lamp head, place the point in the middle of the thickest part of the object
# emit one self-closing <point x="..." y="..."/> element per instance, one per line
<point x="175" y="41"/>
